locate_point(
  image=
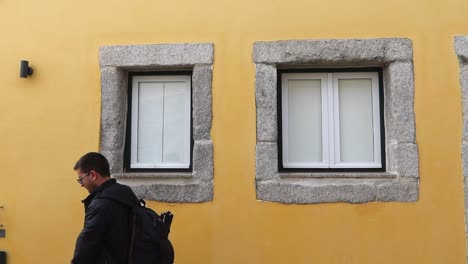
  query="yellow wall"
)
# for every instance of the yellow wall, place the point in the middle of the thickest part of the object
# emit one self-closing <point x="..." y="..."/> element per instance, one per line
<point x="48" y="121"/>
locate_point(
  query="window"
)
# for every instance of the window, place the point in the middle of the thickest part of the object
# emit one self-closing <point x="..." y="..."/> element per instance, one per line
<point x="171" y="84"/>
<point x="360" y="147"/>
<point x="330" y="120"/>
<point x="461" y="50"/>
<point x="160" y="122"/>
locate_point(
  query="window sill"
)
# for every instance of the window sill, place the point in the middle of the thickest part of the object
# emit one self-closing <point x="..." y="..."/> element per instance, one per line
<point x="152" y="175"/>
<point x="339" y="175"/>
<point x="295" y="190"/>
<point x="167" y="187"/>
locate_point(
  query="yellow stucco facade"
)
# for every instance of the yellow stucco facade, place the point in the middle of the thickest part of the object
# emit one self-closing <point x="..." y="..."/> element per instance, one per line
<point x="50" y="119"/>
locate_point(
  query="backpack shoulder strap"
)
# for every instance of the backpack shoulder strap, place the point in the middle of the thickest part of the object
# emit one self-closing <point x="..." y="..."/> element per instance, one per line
<point x="132" y="222"/>
<point x="125" y="204"/>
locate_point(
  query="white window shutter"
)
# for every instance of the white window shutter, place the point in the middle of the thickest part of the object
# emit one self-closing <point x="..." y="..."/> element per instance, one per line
<point x="331" y="120"/>
<point x="149" y="122"/>
<point x="161" y="122"/>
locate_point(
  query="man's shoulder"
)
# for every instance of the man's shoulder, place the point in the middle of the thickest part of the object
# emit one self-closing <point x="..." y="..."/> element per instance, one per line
<point x="116" y="189"/>
<point x="119" y="193"/>
<point x="99" y="205"/>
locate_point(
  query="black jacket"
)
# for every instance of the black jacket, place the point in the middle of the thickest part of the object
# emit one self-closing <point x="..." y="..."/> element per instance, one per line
<point x="106" y="233"/>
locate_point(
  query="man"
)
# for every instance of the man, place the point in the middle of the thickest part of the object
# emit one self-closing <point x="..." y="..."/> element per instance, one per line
<point x="105" y="238"/>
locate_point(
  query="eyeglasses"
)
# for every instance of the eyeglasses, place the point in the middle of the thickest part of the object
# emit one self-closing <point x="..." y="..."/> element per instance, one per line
<point x="80" y="178"/>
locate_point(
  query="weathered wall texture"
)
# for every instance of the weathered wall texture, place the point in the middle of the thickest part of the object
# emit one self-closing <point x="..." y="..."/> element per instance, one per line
<point x="49" y="120"/>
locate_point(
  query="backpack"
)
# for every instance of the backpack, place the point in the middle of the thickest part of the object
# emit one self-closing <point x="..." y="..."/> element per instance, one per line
<point x="149" y="241"/>
<point x="149" y="234"/>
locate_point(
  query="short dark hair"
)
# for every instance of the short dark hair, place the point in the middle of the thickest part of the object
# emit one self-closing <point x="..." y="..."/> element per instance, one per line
<point x="93" y="161"/>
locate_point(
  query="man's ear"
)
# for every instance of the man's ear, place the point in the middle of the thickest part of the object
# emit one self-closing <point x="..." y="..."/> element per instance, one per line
<point x="93" y="174"/>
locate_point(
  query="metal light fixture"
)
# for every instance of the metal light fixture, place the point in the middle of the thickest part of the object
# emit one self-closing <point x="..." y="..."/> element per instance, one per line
<point x="25" y="70"/>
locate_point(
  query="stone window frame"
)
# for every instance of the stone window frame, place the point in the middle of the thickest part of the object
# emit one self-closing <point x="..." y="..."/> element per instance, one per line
<point x="116" y="62"/>
<point x="400" y="182"/>
<point x="461" y="50"/>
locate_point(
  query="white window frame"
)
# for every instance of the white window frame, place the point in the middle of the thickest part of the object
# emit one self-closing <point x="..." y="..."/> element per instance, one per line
<point x="136" y="80"/>
<point x="330" y="120"/>
<point x="325" y="126"/>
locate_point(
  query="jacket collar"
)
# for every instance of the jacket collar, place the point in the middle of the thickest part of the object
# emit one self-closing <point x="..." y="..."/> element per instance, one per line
<point x="99" y="189"/>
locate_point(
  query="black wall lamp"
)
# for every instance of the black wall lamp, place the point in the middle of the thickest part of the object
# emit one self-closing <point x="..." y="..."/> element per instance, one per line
<point x="25" y="70"/>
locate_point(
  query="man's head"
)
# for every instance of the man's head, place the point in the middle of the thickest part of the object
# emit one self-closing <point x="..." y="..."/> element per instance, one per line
<point x="93" y="170"/>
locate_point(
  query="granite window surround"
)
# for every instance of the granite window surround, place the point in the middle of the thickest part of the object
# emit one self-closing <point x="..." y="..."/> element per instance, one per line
<point x="461" y="50"/>
<point x="116" y="62"/>
<point x="400" y="181"/>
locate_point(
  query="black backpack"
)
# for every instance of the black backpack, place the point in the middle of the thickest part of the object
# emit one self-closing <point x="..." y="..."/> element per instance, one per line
<point x="149" y="235"/>
<point x="149" y="241"/>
